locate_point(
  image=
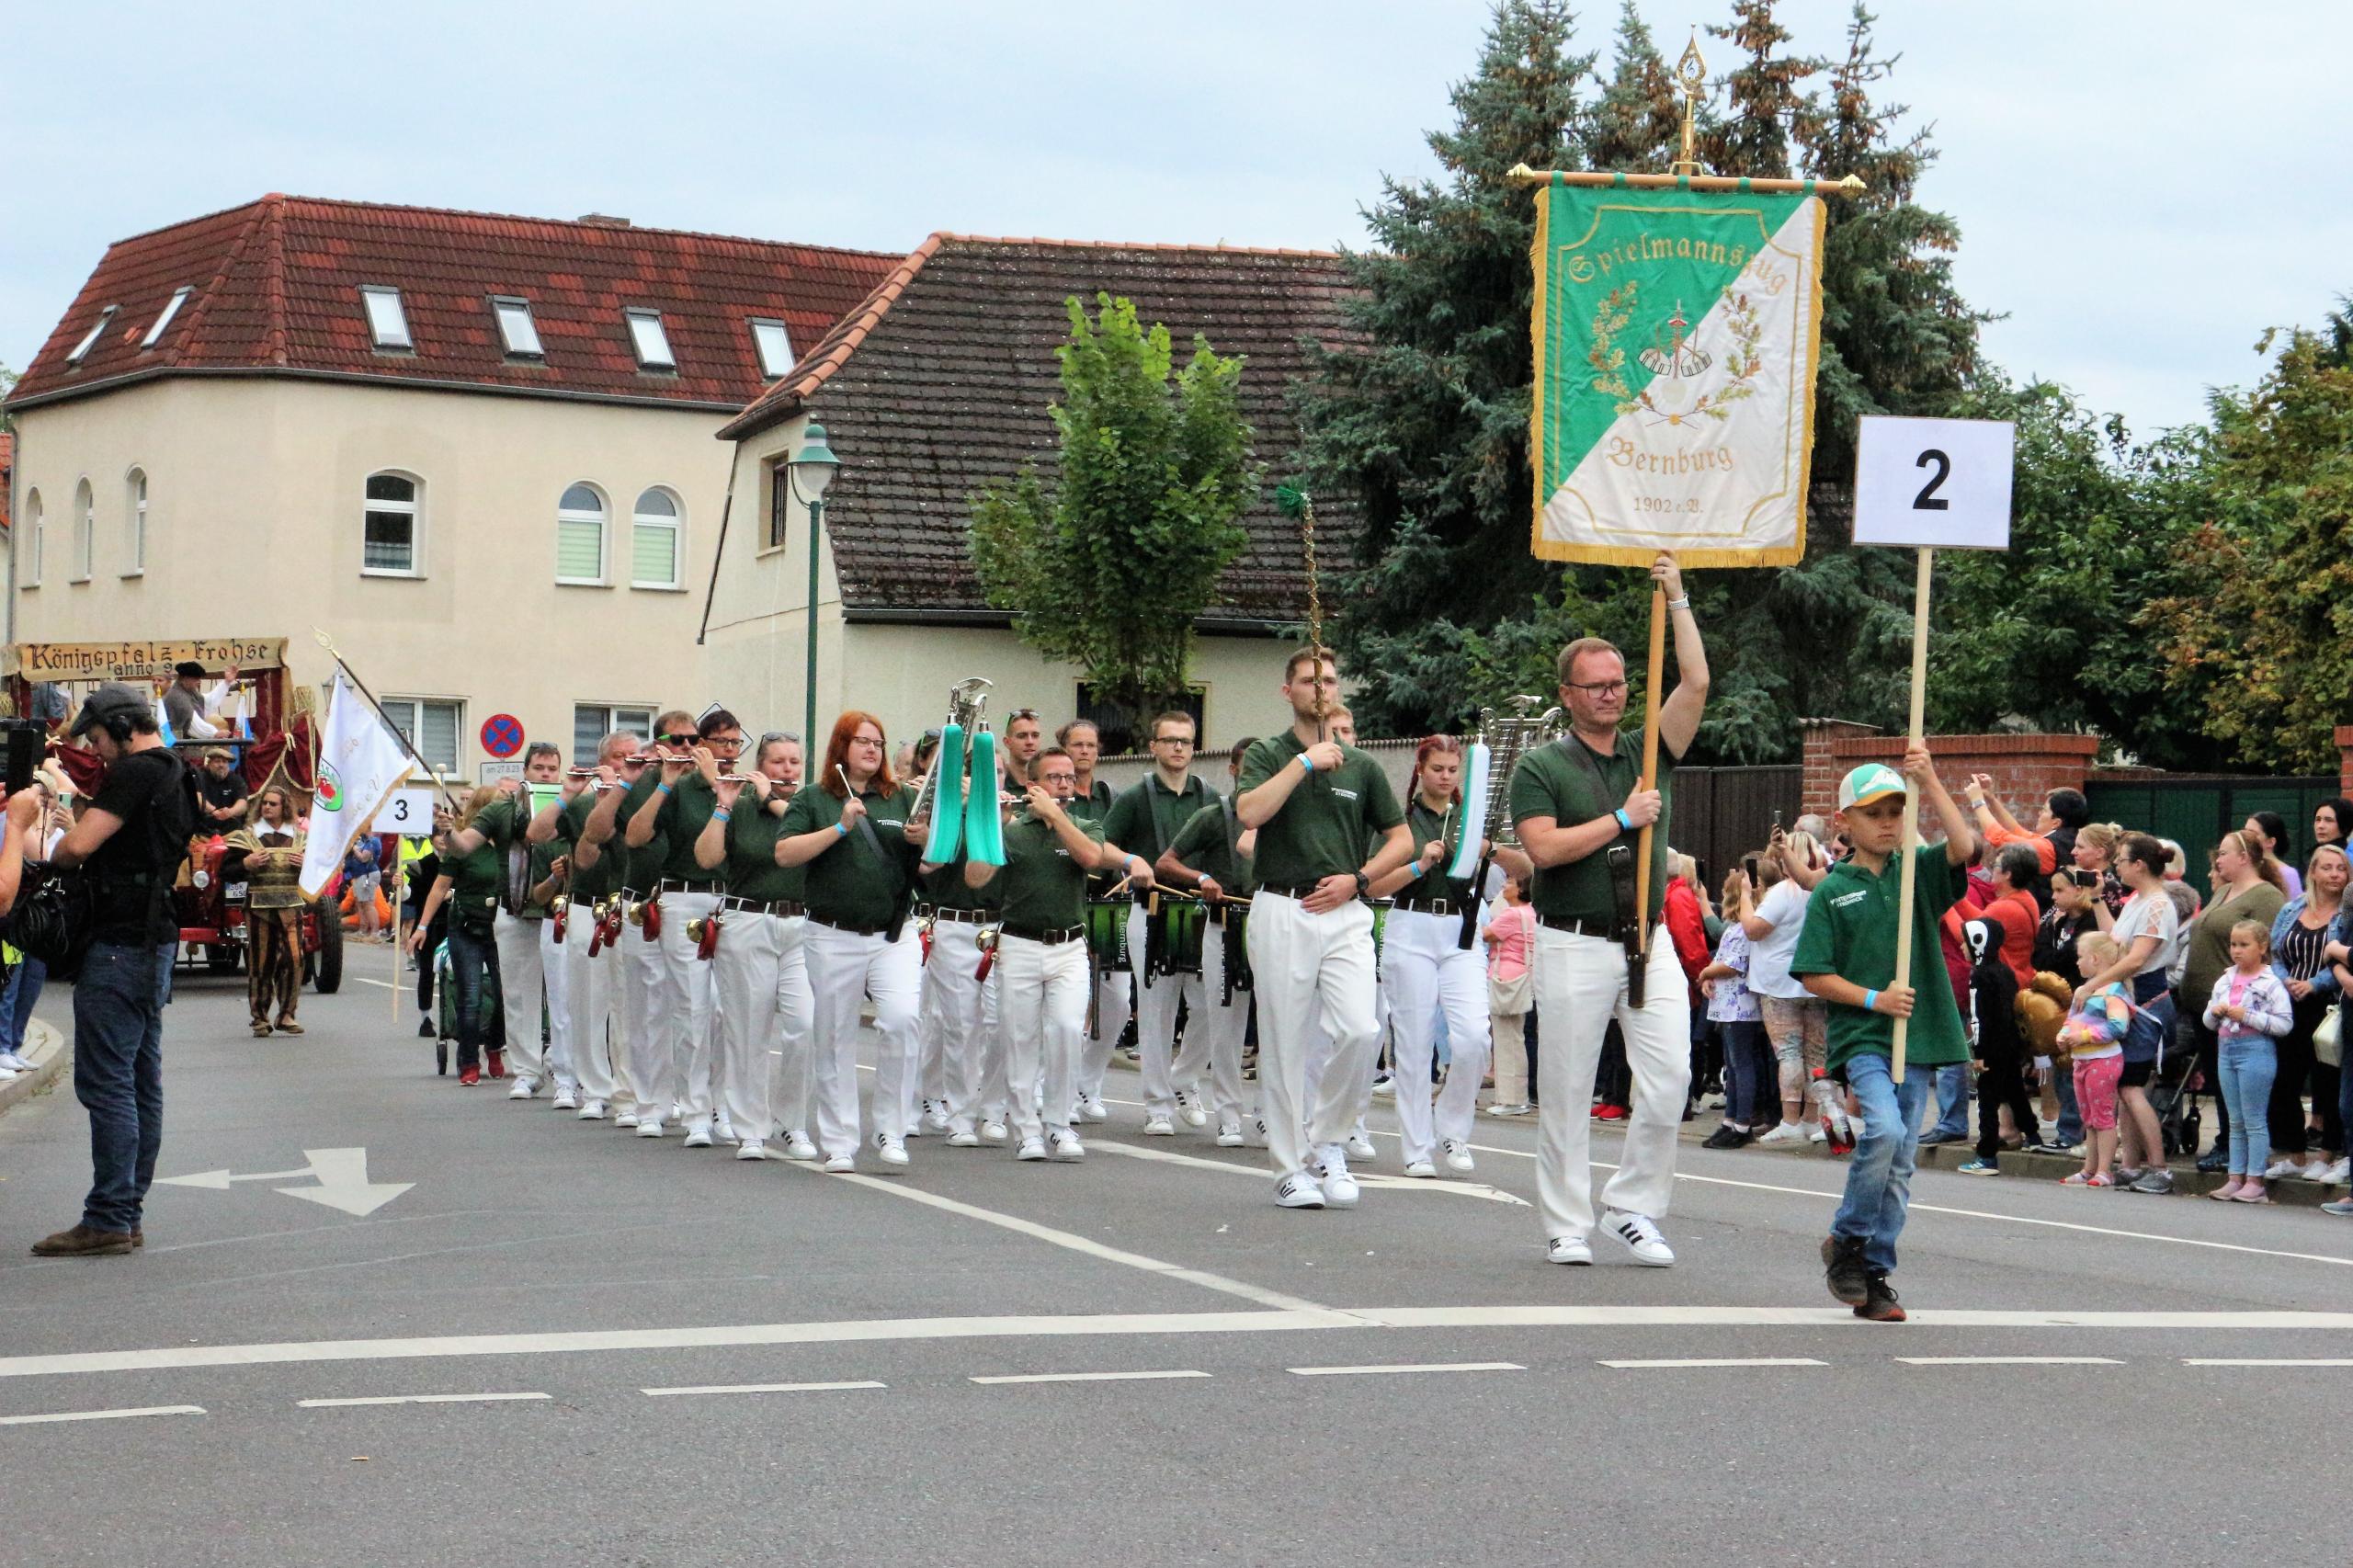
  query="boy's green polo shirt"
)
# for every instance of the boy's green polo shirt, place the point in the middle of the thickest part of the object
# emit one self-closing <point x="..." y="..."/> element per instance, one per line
<point x="1044" y="888"/>
<point x="1850" y="931"/>
<point x="1327" y="824"/>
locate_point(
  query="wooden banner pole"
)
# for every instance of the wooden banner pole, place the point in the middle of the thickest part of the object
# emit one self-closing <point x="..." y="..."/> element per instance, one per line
<point x="1910" y="807"/>
<point x="1652" y="681"/>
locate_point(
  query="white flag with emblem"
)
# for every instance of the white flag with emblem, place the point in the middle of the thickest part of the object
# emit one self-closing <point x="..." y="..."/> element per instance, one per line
<point x="361" y="762"/>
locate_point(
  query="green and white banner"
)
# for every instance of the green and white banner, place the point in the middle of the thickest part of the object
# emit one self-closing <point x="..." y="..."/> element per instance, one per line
<point x="1677" y="334"/>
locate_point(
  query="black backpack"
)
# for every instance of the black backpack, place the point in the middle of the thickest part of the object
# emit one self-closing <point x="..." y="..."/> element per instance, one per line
<point x="55" y="915"/>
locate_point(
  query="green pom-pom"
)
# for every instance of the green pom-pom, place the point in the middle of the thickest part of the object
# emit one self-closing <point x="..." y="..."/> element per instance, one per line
<point x="1290" y="500"/>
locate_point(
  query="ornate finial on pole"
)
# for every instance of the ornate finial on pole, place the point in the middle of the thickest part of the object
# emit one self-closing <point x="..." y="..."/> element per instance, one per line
<point x="1691" y="76"/>
<point x="1292" y="501"/>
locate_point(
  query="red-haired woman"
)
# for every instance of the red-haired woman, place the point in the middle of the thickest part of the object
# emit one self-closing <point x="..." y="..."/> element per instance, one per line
<point x="854" y="827"/>
<point x="1425" y="967"/>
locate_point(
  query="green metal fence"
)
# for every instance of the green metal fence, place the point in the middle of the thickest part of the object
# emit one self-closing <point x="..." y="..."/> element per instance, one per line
<point x="2196" y="811"/>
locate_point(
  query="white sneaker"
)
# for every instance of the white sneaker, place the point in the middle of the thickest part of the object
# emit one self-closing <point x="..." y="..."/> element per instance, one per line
<point x="2340" y="1172"/>
<point x="1360" y="1144"/>
<point x="1063" y="1145"/>
<point x="1159" y="1126"/>
<point x="13" y="1063"/>
<point x="1458" y="1157"/>
<point x="649" y="1127"/>
<point x="726" y="1129"/>
<point x="593" y="1111"/>
<point x="1032" y="1148"/>
<point x="892" y="1150"/>
<point x="1339" y="1186"/>
<point x="1190" y="1107"/>
<point x="2315" y="1172"/>
<point x="1229" y="1135"/>
<point x="1814" y="1135"/>
<point x="935" y="1116"/>
<point x="798" y="1147"/>
<point x="1642" y="1238"/>
<point x="1783" y="1133"/>
<point x="1569" y="1249"/>
<point x="626" y="1119"/>
<point x="523" y="1090"/>
<point x="2282" y="1167"/>
<point x="1421" y="1169"/>
<point x="1385" y="1087"/>
<point x="1092" y="1108"/>
<point x="994" y="1132"/>
<point x="961" y="1136"/>
<point x="751" y="1149"/>
<point x="1258" y="1125"/>
<point x="1298" y="1190"/>
<point x="565" y="1100"/>
<point x="698" y="1135"/>
<point x="841" y="1163"/>
<point x="8" y="1074"/>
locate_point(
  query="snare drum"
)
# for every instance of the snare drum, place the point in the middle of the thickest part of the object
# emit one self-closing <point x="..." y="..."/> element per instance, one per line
<point x="1180" y="937"/>
<point x="1107" y="932"/>
<point x="1381" y="908"/>
<point x="1233" y="930"/>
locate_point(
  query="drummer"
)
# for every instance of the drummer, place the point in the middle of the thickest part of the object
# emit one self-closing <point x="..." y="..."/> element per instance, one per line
<point x="1145" y="820"/>
<point x="1212" y="855"/>
<point x="1114" y="979"/>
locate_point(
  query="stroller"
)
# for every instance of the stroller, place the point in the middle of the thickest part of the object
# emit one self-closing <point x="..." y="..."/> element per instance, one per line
<point x="445" y="1010"/>
<point x="2175" y="1084"/>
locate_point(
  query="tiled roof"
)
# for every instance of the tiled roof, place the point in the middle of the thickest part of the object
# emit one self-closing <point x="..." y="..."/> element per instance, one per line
<point x="276" y="288"/>
<point x="939" y="382"/>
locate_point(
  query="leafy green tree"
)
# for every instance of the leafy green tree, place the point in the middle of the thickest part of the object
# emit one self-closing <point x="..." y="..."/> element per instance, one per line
<point x="2260" y="633"/>
<point x="1108" y="563"/>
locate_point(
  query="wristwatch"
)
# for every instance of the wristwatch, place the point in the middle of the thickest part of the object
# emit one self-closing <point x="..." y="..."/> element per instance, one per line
<point x="1364" y="884"/>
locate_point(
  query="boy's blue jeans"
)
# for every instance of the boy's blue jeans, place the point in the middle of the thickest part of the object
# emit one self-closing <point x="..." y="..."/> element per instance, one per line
<point x="1879" y="1175"/>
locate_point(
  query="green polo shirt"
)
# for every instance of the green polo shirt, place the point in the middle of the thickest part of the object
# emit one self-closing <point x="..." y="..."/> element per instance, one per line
<point x="1425" y="824"/>
<point x="1093" y="806"/>
<point x="1042" y="887"/>
<point x="474" y="882"/>
<point x="641" y="868"/>
<point x="1328" y="825"/>
<point x="503" y="823"/>
<point x="1850" y="932"/>
<point x="1206" y="844"/>
<point x="751" y="869"/>
<point x="847" y="885"/>
<point x="1551" y="782"/>
<point x="945" y="889"/>
<point x="601" y="879"/>
<point x="1146" y="817"/>
<point x="685" y="813"/>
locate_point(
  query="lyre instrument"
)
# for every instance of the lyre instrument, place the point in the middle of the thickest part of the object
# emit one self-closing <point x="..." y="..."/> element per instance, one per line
<point x="1503" y="739"/>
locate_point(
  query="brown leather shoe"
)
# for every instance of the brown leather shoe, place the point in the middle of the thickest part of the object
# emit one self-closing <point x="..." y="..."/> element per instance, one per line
<point x="289" y="1027"/>
<point x="261" y="1031"/>
<point x="138" y="1237"/>
<point x="84" y="1241"/>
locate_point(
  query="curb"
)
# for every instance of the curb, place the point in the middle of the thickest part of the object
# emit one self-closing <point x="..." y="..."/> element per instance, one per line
<point x="50" y="1056"/>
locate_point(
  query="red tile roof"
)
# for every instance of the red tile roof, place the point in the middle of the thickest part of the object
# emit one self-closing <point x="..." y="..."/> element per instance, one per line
<point x="939" y="382"/>
<point x="277" y="290"/>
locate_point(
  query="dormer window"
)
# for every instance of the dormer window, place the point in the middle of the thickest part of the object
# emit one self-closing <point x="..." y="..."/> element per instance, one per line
<point x="653" y="345"/>
<point x="387" y="322"/>
<point x="156" y="333"/>
<point x="515" y="329"/>
<point x="90" y="342"/>
<point x="775" y="347"/>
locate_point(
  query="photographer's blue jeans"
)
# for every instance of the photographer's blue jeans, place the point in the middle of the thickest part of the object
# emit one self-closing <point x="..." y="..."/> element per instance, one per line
<point x="470" y="953"/>
<point x="1952" y="1102"/>
<point x="1879" y="1175"/>
<point x="119" y="1076"/>
<point x="25" y="983"/>
<point x="2070" y="1129"/>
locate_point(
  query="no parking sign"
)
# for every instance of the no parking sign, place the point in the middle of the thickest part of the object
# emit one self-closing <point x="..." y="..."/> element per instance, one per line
<point x="502" y="735"/>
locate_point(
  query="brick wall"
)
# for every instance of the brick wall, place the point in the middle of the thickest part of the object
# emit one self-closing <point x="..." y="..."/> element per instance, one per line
<point x="2345" y="759"/>
<point x="2025" y="767"/>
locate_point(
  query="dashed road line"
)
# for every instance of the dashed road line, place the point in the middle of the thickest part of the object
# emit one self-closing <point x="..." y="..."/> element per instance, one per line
<point x="1083" y="1377"/>
<point x="102" y="1415"/>
<point x="760" y="1387"/>
<point x="414" y="1399"/>
<point x="1406" y="1367"/>
<point x="2256" y="1361"/>
<point x="1665" y="1363"/>
<point x="2008" y="1361"/>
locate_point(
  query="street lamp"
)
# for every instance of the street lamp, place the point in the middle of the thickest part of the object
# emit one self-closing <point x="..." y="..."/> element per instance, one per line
<point x="812" y="471"/>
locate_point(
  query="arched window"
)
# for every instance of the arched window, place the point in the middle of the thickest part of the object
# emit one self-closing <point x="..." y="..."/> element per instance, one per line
<point x="654" y="550"/>
<point x="134" y="503"/>
<point x="390" y="544"/>
<point x="85" y="530"/>
<point x="34" y="539"/>
<point x="580" y="536"/>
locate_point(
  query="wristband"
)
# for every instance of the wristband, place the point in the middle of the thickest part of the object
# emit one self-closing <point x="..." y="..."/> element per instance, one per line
<point x="662" y="789"/>
<point x="1305" y="764"/>
<point x="1415" y="871"/>
<point x="842" y="828"/>
<point x="1683" y="603"/>
<point x="1625" y="822"/>
<point x="719" y="814"/>
<point x="1871" y="1001"/>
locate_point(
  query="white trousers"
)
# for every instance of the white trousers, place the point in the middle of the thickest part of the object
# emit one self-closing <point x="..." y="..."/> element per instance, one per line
<point x="759" y="976"/>
<point x="961" y="1031"/>
<point x="1156" y="1003"/>
<point x="1222" y="1028"/>
<point x="1307" y="966"/>
<point x="1044" y="1006"/>
<point x="682" y="1022"/>
<point x="843" y="970"/>
<point x="1423" y="973"/>
<point x="1321" y="1046"/>
<point x="590" y="985"/>
<point x="519" y="979"/>
<point x="1110" y="1021"/>
<point x="640" y="988"/>
<point x="1580" y="986"/>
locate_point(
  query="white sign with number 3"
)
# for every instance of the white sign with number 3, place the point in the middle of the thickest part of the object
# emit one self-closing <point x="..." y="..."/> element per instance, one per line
<point x="1934" y="483"/>
<point x="408" y="813"/>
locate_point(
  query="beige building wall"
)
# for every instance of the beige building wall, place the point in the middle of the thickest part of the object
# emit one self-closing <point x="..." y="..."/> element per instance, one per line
<point x="901" y="672"/>
<point x="255" y="490"/>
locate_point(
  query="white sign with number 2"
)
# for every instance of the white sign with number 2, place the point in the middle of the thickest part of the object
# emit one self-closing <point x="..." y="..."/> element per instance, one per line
<point x="1934" y="483"/>
<point x="408" y="813"/>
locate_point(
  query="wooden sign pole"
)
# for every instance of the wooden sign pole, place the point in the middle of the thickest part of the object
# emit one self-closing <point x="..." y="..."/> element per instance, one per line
<point x="1652" y="681"/>
<point x="1904" y="897"/>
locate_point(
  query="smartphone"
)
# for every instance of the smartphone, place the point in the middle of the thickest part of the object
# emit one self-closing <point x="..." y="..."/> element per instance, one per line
<point x="1777" y="819"/>
<point x="26" y="740"/>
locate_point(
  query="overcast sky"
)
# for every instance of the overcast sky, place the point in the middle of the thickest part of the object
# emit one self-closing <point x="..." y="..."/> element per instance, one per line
<point x="2142" y="186"/>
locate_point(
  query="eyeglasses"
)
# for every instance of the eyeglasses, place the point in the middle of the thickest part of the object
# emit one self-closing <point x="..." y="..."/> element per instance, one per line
<point x="1020" y="713"/>
<point x="686" y="740"/>
<point x="1172" y="740"/>
<point x="931" y="734"/>
<point x="725" y="742"/>
<point x="772" y="736"/>
<point x="1598" y="687"/>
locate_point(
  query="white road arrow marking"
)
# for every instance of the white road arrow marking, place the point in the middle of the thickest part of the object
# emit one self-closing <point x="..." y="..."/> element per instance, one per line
<point x="341" y="1174"/>
<point x="1364" y="1178"/>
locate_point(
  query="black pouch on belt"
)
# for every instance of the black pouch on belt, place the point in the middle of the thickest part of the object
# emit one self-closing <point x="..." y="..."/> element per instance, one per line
<point x="1626" y="922"/>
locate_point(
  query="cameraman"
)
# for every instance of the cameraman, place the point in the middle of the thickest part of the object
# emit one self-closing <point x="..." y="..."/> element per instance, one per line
<point x="128" y="840"/>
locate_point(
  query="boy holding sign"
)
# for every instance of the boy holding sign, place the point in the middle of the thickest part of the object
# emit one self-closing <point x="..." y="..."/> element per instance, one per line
<point x="1846" y="956"/>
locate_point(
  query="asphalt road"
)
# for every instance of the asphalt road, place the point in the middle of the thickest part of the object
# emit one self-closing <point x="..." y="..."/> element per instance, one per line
<point x="637" y="1353"/>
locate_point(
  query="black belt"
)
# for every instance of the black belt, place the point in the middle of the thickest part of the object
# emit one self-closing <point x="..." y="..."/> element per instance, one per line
<point x="1600" y="928"/>
<point x="853" y="928"/>
<point x="782" y="908"/>
<point x="961" y="916"/>
<point x="1428" y="906"/>
<point x="1040" y="934"/>
<point x="680" y="885"/>
<point x="1294" y="890"/>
